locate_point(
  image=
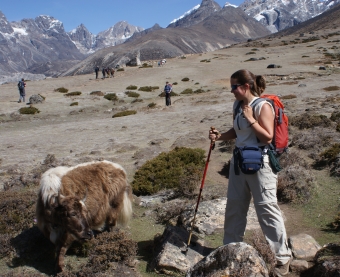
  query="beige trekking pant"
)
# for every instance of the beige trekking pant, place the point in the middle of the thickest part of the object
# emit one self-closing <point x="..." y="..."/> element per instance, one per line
<point x="262" y="186"/>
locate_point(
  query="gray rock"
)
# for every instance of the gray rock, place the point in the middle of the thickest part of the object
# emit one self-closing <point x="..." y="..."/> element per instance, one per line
<point x="36" y="99"/>
<point x="304" y="247"/>
<point x="327" y="261"/>
<point x="230" y="260"/>
<point x="171" y="254"/>
<point x="210" y="217"/>
<point x="299" y="265"/>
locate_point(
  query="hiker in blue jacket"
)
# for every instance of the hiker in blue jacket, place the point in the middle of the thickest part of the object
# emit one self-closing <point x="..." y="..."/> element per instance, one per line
<point x="22" y="93"/>
<point x="253" y="128"/>
<point x="167" y="91"/>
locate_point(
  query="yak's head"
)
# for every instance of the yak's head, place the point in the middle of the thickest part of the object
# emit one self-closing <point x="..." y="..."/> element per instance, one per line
<point x="70" y="212"/>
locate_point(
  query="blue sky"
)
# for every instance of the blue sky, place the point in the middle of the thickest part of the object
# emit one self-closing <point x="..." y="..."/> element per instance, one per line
<point x="99" y="15"/>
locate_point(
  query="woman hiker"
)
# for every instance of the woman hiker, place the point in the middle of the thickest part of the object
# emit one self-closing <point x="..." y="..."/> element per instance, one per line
<point x="253" y="129"/>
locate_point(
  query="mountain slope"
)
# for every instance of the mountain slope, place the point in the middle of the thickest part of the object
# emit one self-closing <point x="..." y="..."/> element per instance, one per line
<point x="228" y="26"/>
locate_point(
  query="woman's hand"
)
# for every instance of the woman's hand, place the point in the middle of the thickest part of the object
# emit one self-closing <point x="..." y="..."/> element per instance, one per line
<point x="214" y="134"/>
<point x="248" y="113"/>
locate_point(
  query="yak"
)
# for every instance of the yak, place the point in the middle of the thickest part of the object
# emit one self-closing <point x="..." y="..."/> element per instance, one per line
<point x="73" y="202"/>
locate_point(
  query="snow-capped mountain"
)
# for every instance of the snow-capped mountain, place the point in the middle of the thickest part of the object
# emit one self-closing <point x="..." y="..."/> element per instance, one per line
<point x="41" y="45"/>
<point x="196" y="14"/>
<point x="277" y="15"/>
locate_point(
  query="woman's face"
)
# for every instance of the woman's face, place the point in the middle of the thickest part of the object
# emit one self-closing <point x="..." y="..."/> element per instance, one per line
<point x="237" y="89"/>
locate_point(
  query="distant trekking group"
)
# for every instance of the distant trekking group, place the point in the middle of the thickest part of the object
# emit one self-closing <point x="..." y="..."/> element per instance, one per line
<point x="161" y="62"/>
<point x="108" y="72"/>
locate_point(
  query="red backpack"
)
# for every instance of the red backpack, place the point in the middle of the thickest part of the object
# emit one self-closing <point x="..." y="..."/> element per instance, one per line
<point x="280" y="140"/>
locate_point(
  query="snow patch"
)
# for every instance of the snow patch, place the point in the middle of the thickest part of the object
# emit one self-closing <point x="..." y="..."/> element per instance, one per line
<point x="20" y="31"/>
<point x="185" y="14"/>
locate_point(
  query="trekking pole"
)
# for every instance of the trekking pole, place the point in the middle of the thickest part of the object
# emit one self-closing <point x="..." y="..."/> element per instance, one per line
<point x="212" y="146"/>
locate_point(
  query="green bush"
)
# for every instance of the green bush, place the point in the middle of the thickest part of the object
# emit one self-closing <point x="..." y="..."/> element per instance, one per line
<point x="250" y="53"/>
<point x="168" y="170"/>
<point x="29" y="110"/>
<point x="175" y="83"/>
<point x="137" y="100"/>
<point x="148" y="88"/>
<point x="328" y="156"/>
<point x="62" y="89"/>
<point x="145" y="65"/>
<point x="289" y="96"/>
<point x="152" y="105"/>
<point x="73" y="93"/>
<point x="186" y="79"/>
<point x="132" y="94"/>
<point x="111" y="97"/>
<point x="199" y="91"/>
<point x="187" y="91"/>
<point x="74" y="104"/>
<point x="124" y="113"/>
<point x="331" y="88"/>
<point x="120" y="69"/>
<point x="306" y="121"/>
<point x="97" y="92"/>
<point x="132" y="87"/>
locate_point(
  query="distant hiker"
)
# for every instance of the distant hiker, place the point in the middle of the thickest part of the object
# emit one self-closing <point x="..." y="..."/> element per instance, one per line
<point x="112" y="72"/>
<point x="253" y="129"/>
<point x="159" y="63"/>
<point x="103" y="72"/>
<point x="21" y="87"/>
<point x="96" y="69"/>
<point x="167" y="91"/>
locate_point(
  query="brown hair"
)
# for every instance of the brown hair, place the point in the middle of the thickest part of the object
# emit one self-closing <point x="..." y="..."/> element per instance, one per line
<point x="257" y="82"/>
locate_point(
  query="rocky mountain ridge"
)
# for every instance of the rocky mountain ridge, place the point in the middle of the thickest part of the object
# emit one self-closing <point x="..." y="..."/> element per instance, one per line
<point x="42" y="45"/>
<point x="278" y="15"/>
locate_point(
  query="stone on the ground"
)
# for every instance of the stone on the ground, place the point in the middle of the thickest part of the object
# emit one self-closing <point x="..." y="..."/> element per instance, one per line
<point x="234" y="259"/>
<point x="327" y="261"/>
<point x="304" y="247"/>
<point x="36" y="98"/>
<point x="172" y="252"/>
<point x="299" y="265"/>
<point x="210" y="217"/>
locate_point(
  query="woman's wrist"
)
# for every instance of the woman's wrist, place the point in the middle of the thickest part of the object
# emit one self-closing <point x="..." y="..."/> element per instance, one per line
<point x="252" y="123"/>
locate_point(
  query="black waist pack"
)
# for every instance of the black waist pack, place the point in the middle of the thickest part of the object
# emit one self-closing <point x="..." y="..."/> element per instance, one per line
<point x="249" y="159"/>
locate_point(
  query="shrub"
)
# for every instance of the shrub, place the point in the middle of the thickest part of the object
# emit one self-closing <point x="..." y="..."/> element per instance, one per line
<point x="132" y="87"/>
<point x="289" y="96"/>
<point x="175" y="83"/>
<point x="120" y="69"/>
<point x="108" y="247"/>
<point x="186" y="79"/>
<point x="197" y="83"/>
<point x="152" y="105"/>
<point x="73" y="93"/>
<point x="111" y="96"/>
<point x="62" y="90"/>
<point x="328" y="156"/>
<point x="17" y="211"/>
<point x="331" y="88"/>
<point x="124" y="113"/>
<point x="199" y="91"/>
<point x="148" y="88"/>
<point x="335" y="116"/>
<point x="132" y="94"/>
<point x="145" y="65"/>
<point x="187" y="91"/>
<point x="167" y="170"/>
<point x="336" y="223"/>
<point x="250" y="53"/>
<point x="29" y="110"/>
<point x="74" y="104"/>
<point x="137" y="100"/>
<point x="306" y="121"/>
<point x="172" y="93"/>
<point x="97" y="92"/>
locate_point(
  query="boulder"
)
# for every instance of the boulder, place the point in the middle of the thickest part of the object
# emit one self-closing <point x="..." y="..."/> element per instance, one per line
<point x="304" y="247"/>
<point x="234" y="259"/>
<point x="36" y="98"/>
<point x="327" y="261"/>
<point x="210" y="217"/>
<point x="172" y="252"/>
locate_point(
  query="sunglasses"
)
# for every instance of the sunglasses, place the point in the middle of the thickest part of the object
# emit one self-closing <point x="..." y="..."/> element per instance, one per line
<point x="233" y="87"/>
